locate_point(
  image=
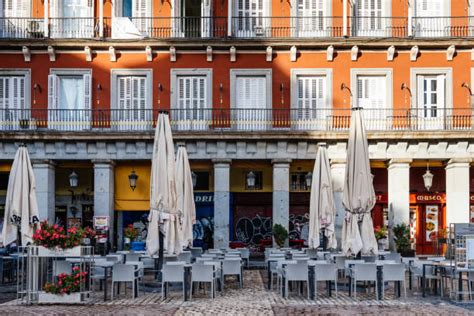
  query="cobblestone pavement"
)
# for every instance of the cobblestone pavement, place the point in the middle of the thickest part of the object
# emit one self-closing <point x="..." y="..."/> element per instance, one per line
<point x="254" y="299"/>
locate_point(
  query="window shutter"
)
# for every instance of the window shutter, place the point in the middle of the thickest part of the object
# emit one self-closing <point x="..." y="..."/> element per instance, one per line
<point x="87" y="91"/>
<point x="140" y="11"/>
<point x="3" y="95"/>
<point x="441" y="88"/>
<point x="17" y="93"/>
<point x="420" y="91"/>
<point x="53" y="90"/>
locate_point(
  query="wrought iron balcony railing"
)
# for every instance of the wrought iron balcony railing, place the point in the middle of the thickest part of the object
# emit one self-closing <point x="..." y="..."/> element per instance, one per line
<point x="241" y="120"/>
<point x="240" y="27"/>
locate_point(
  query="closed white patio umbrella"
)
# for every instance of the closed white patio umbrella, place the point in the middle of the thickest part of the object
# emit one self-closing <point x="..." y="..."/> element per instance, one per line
<point x="359" y="195"/>
<point x="322" y="212"/>
<point x="185" y="196"/>
<point x="164" y="216"/>
<point x="21" y="207"/>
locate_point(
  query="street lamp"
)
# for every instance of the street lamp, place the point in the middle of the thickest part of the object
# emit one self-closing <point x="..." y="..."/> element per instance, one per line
<point x="251" y="180"/>
<point x="309" y="179"/>
<point x="194" y="178"/>
<point x="132" y="180"/>
<point x="428" y="178"/>
<point x="73" y="179"/>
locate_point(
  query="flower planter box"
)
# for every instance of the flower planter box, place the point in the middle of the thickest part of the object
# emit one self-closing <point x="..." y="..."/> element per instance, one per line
<point x="59" y="252"/>
<point x="48" y="298"/>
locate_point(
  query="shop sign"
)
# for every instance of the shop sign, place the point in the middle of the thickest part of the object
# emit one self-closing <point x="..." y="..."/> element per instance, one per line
<point x="204" y="198"/>
<point x="430" y="198"/>
<point x="101" y="222"/>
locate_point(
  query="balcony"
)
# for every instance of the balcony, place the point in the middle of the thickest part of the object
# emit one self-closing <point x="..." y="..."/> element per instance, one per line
<point x="241" y="27"/>
<point x="235" y="120"/>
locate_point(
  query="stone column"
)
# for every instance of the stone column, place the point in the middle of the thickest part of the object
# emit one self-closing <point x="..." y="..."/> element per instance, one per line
<point x="457" y="191"/>
<point x="338" y="168"/>
<point x="221" y="202"/>
<point x="45" y="171"/>
<point x="104" y="192"/>
<point x="281" y="192"/>
<point x="399" y="189"/>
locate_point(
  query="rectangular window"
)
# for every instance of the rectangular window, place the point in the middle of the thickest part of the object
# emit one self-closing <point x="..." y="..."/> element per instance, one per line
<point x="311" y="96"/>
<point x="69" y="99"/>
<point x="372" y="18"/>
<point x="372" y="90"/>
<point x="251" y="18"/>
<point x="191" y="97"/>
<point x="431" y="100"/>
<point x="131" y="99"/>
<point x="251" y="98"/>
<point x="13" y="102"/>
<point x="312" y="18"/>
<point x="72" y="19"/>
<point x="432" y="18"/>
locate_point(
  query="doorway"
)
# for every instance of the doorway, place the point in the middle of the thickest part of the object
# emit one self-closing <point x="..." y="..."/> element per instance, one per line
<point x="190" y="13"/>
<point x="430" y="220"/>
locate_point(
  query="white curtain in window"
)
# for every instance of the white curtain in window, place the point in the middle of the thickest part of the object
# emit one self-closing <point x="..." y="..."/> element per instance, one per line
<point x="71" y="93"/>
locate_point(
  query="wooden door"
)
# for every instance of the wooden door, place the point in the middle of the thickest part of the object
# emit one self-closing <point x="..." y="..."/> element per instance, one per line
<point x="430" y="219"/>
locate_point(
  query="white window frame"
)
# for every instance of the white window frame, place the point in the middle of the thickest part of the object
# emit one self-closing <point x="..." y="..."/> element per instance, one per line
<point x="361" y="29"/>
<point x="448" y="94"/>
<point x="379" y="120"/>
<point x="420" y="25"/>
<point x="233" y="21"/>
<point x="261" y="72"/>
<point x="123" y="27"/>
<point x="62" y="27"/>
<point x="14" y="124"/>
<point x="326" y="23"/>
<point x="114" y="75"/>
<point x="62" y="117"/>
<point x="321" y="122"/>
<point x="184" y="124"/>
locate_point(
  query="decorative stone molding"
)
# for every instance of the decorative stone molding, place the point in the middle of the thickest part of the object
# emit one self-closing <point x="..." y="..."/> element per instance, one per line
<point x="88" y="52"/>
<point x="391" y="53"/>
<point x="26" y="54"/>
<point x="51" y="53"/>
<point x="149" y="54"/>
<point x="293" y="53"/>
<point x="450" y="53"/>
<point x="233" y="54"/>
<point x="330" y="53"/>
<point x="414" y="53"/>
<point x="172" y="54"/>
<point x="354" y="53"/>
<point x="269" y="56"/>
<point x="112" y="54"/>
<point x="209" y="53"/>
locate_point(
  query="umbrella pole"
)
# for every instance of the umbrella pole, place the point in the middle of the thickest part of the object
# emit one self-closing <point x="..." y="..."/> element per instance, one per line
<point x="161" y="236"/>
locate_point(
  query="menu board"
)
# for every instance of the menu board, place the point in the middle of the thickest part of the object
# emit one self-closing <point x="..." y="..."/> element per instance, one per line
<point x="431" y="222"/>
<point x="472" y="214"/>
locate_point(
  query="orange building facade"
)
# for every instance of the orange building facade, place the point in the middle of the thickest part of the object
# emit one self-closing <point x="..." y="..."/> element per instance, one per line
<point x="252" y="88"/>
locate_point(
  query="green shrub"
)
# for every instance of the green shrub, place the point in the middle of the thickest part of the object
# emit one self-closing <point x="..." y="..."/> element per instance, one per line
<point x="280" y="235"/>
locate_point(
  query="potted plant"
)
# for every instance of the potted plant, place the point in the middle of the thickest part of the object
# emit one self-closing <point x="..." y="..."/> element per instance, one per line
<point x="89" y="236"/>
<point x="401" y="235"/>
<point x="53" y="240"/>
<point x="280" y="235"/>
<point x="67" y="288"/>
<point x="381" y="234"/>
<point x="130" y="233"/>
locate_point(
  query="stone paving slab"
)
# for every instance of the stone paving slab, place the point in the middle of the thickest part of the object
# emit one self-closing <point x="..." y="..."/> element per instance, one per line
<point x="254" y="299"/>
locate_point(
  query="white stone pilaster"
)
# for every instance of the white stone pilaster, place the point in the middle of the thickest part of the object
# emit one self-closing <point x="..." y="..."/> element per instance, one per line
<point x="399" y="189"/>
<point x="45" y="171"/>
<point x="338" y="168"/>
<point x="457" y="191"/>
<point x="104" y="192"/>
<point x="221" y="202"/>
<point x="281" y="192"/>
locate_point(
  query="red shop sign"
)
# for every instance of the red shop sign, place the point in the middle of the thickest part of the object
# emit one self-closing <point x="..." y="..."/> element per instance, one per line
<point x="430" y="198"/>
<point x="383" y="198"/>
